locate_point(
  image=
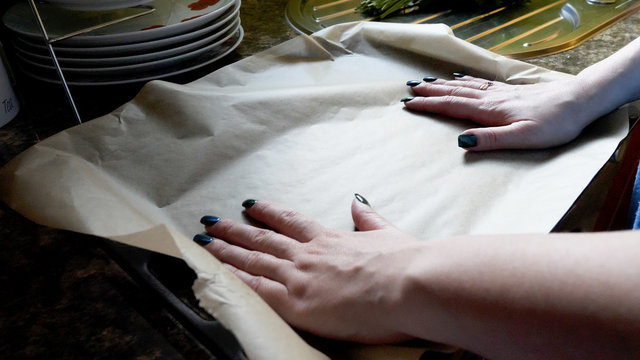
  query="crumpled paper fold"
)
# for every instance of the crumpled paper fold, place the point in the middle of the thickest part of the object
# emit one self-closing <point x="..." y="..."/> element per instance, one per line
<point x="305" y="124"/>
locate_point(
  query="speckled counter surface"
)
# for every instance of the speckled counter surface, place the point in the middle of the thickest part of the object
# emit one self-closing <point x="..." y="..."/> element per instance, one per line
<point x="61" y="297"/>
<point x="599" y="47"/>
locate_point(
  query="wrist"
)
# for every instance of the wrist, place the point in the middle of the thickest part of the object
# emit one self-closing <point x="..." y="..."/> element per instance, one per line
<point x="610" y="83"/>
<point x="424" y="310"/>
<point x="588" y="99"/>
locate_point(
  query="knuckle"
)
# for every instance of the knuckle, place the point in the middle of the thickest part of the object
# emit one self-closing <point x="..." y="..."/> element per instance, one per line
<point x="450" y="99"/>
<point x="456" y="91"/>
<point x="490" y="137"/>
<point x="284" y="216"/>
<point x="297" y="289"/>
<point x="289" y="219"/>
<point x="261" y="236"/>
<point x="288" y="215"/>
<point x="330" y="234"/>
<point x="220" y="249"/>
<point x="309" y="256"/>
<point x="312" y="250"/>
<point x="251" y="261"/>
<point x="256" y="284"/>
<point x="304" y="264"/>
<point x="235" y="272"/>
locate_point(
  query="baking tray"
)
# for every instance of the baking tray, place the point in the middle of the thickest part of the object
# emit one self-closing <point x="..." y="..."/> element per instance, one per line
<point x="170" y="279"/>
<point x="603" y="205"/>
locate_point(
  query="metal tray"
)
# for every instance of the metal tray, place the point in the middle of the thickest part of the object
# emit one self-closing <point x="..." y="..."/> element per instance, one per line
<point x="602" y="206"/>
<point x="540" y="27"/>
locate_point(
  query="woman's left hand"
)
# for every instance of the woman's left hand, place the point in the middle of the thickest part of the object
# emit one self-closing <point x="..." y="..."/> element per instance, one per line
<point x="337" y="284"/>
<point x="530" y="116"/>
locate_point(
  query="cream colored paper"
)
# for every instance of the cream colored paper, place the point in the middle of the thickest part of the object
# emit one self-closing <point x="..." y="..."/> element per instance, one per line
<point x="305" y="124"/>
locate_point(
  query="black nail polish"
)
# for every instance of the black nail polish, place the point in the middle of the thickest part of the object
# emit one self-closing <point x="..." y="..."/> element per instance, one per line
<point x="209" y="220"/>
<point x="429" y="79"/>
<point x="467" y="140"/>
<point x="249" y="203"/>
<point x="362" y="199"/>
<point x="413" y="83"/>
<point x="459" y="75"/>
<point x="408" y="98"/>
<point x="202" y="239"/>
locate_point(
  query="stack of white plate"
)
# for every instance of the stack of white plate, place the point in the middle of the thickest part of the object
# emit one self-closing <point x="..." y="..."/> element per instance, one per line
<point x="179" y="36"/>
<point x="92" y="5"/>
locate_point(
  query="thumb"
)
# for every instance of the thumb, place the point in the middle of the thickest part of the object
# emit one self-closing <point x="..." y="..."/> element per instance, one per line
<point x="364" y="217"/>
<point x="517" y="135"/>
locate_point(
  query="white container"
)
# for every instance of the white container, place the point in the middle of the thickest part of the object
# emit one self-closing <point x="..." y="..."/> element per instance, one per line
<point x="9" y="106"/>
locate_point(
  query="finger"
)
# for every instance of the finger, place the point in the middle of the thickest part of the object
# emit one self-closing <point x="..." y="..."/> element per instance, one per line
<point x="471" y="82"/>
<point x="468" y="78"/>
<point x="252" y="238"/>
<point x="447" y="89"/>
<point x="464" y="81"/>
<point x="453" y="106"/>
<point x="273" y="292"/>
<point x="285" y="221"/>
<point x="365" y="217"/>
<point x="518" y="135"/>
<point x="252" y="262"/>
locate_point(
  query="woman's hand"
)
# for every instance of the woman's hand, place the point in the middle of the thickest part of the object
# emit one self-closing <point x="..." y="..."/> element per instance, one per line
<point x="345" y="285"/>
<point x="500" y="296"/>
<point x="516" y="116"/>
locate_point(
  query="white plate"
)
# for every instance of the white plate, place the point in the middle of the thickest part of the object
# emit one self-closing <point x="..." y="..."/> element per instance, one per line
<point x="171" y="17"/>
<point x="140" y="67"/>
<point x="230" y="25"/>
<point x="190" y="65"/>
<point x="93" y="5"/>
<point x="36" y="45"/>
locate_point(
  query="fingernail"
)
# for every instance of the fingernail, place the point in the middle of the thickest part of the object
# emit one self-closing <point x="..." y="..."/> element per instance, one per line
<point x="458" y="75"/>
<point x="362" y="199"/>
<point x="249" y="203"/>
<point x="413" y="83"/>
<point x="202" y="239"/>
<point x="429" y="79"/>
<point x="467" y="140"/>
<point x="408" y="98"/>
<point x="209" y="220"/>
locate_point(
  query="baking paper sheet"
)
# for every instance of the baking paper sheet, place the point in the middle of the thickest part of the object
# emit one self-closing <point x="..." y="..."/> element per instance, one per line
<point x="305" y="124"/>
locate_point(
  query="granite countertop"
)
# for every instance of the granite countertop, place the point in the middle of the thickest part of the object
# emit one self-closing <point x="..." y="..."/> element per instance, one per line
<point x="62" y="296"/>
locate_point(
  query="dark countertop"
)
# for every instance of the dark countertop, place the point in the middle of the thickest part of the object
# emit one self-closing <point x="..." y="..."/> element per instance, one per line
<point x="63" y="297"/>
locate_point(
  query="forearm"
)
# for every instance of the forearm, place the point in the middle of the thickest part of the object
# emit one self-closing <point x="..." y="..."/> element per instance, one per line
<point x="613" y="81"/>
<point x="557" y="296"/>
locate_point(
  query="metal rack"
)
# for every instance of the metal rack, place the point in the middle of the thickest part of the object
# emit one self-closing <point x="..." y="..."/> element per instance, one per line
<point x="146" y="9"/>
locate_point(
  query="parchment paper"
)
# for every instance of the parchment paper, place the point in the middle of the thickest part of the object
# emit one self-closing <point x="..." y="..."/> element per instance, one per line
<point x="305" y="124"/>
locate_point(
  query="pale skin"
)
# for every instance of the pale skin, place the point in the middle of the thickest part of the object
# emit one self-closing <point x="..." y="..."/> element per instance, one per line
<point x="536" y="115"/>
<point x="538" y="296"/>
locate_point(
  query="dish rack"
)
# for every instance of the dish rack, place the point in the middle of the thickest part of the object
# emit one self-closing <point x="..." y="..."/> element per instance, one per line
<point x="532" y="29"/>
<point x="145" y="9"/>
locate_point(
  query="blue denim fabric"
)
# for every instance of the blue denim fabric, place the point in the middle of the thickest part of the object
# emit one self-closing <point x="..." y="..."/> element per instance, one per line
<point x="634" y="210"/>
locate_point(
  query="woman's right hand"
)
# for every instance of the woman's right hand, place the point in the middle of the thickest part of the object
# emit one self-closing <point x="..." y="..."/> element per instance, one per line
<point x="515" y="116"/>
<point x="348" y="285"/>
